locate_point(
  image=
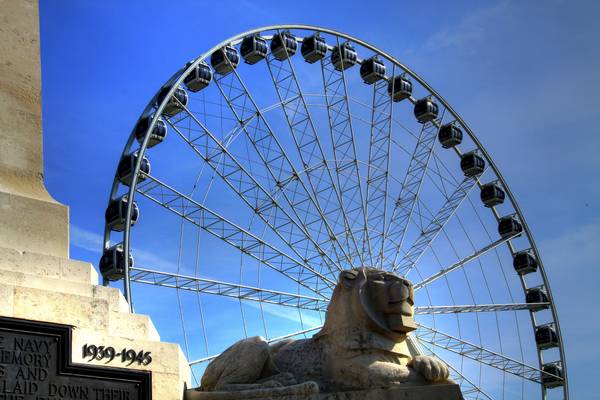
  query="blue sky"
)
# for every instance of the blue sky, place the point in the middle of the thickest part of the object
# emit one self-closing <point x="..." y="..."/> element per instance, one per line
<point x="523" y="75"/>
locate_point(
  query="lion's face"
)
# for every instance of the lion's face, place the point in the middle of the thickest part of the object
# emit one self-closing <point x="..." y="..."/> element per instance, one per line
<point x="389" y="298"/>
<point x="386" y="298"/>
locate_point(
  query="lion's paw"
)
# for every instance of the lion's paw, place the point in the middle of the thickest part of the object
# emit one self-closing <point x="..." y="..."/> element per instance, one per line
<point x="430" y="368"/>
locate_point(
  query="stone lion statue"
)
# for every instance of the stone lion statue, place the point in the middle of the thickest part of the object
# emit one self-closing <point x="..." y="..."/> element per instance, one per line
<point x="362" y="345"/>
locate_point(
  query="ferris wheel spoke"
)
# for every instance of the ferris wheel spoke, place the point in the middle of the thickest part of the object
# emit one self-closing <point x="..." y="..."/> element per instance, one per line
<point x="480" y="354"/>
<point x="279" y="166"/>
<point x="409" y="192"/>
<point x="261" y="202"/>
<point x="310" y="150"/>
<point x="399" y="124"/>
<point x="344" y="153"/>
<point x="467" y="385"/>
<point x="479" y="308"/>
<point x="429" y="233"/>
<point x="273" y="340"/>
<point x="230" y="136"/>
<point x="218" y="226"/>
<point x="227" y="289"/>
<point x="203" y="360"/>
<point x="461" y="263"/>
<point x="444" y="183"/>
<point x="378" y="167"/>
<point x="293" y="334"/>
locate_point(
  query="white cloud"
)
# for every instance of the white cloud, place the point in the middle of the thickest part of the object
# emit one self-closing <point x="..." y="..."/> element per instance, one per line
<point x="287" y="313"/>
<point x="467" y="32"/>
<point x="86" y="240"/>
<point x="92" y="241"/>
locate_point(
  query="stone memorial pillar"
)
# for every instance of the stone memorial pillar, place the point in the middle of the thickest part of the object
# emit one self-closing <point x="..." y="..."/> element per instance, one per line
<point x="30" y="219"/>
<point x="61" y="334"/>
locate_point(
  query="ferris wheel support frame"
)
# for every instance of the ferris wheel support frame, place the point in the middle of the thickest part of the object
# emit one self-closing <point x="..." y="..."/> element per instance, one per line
<point x="177" y="79"/>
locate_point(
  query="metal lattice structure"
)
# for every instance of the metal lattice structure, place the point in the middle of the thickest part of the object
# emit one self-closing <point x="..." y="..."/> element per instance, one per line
<point x="281" y="172"/>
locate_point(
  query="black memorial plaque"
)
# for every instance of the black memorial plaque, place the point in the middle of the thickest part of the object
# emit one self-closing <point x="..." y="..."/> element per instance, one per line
<point x="35" y="364"/>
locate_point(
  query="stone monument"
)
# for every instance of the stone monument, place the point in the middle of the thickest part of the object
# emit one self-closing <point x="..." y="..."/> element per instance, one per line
<point x="361" y="352"/>
<point x="61" y="335"/>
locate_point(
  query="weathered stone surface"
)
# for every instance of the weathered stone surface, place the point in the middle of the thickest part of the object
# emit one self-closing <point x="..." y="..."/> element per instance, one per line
<point x="116" y="300"/>
<point x="170" y="370"/>
<point x="168" y="386"/>
<point x="96" y="313"/>
<point x="69" y="309"/>
<point x="7" y="294"/>
<point x="33" y="225"/>
<point x="132" y="325"/>
<point x="444" y="391"/>
<point x="304" y="391"/>
<point x="30" y="219"/>
<point x="20" y="97"/>
<point x="166" y="357"/>
<point x="362" y="345"/>
<point x="43" y="265"/>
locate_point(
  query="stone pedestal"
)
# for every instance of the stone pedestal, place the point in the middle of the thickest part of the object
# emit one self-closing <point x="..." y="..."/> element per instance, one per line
<point x="429" y="392"/>
<point x="443" y="391"/>
<point x="45" y="288"/>
<point x="30" y="220"/>
<point x="38" y="281"/>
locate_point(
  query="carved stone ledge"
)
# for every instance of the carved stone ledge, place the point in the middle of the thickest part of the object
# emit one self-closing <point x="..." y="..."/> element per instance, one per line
<point x="444" y="391"/>
<point x="429" y="392"/>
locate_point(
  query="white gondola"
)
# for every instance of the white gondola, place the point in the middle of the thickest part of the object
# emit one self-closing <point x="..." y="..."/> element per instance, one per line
<point x="472" y="164"/>
<point x="127" y="166"/>
<point x="176" y="102"/>
<point x="283" y="45"/>
<point x="450" y="135"/>
<point x="224" y="60"/>
<point x="198" y="78"/>
<point x="116" y="213"/>
<point x="313" y="48"/>
<point x="426" y="110"/>
<point x="400" y="88"/>
<point x="158" y="134"/>
<point x="112" y="263"/>
<point x="254" y="49"/>
<point x="372" y="70"/>
<point x="343" y="56"/>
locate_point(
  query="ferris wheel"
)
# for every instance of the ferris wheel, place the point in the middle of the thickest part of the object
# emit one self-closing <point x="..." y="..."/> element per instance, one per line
<point x="289" y="153"/>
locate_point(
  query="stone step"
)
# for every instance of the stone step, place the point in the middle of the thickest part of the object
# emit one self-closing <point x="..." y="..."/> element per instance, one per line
<point x="170" y="369"/>
<point x="47" y="266"/>
<point x="73" y="309"/>
<point x="115" y="298"/>
<point x="135" y="326"/>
